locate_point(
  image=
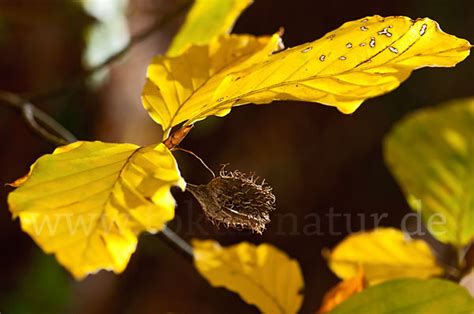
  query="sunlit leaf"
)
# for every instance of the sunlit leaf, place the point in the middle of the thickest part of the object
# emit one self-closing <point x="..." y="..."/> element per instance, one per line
<point x="431" y="154"/>
<point x="262" y="275"/>
<point x="206" y="20"/>
<point x="175" y="84"/>
<point x="342" y="291"/>
<point x="433" y="296"/>
<point x="362" y="59"/>
<point x="383" y="254"/>
<point x="88" y="201"/>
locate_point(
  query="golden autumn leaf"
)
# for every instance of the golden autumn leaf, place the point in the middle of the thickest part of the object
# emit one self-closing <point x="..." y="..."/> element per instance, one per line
<point x="431" y="154"/>
<point x="342" y="291"/>
<point x="362" y="59"/>
<point x="88" y="201"/>
<point x="383" y="254"/>
<point x="262" y="275"/>
<point x="206" y="20"/>
<point x="174" y="84"/>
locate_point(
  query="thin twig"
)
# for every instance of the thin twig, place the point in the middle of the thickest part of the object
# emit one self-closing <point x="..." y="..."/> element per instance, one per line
<point x="54" y="132"/>
<point x="77" y="81"/>
<point x="177" y="243"/>
<point x="35" y="117"/>
<point x="62" y="136"/>
<point x="198" y="158"/>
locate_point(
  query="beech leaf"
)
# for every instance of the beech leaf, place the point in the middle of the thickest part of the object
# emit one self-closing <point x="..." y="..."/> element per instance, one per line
<point x="361" y="59"/>
<point x="433" y="296"/>
<point x="88" y="201"/>
<point x="206" y="20"/>
<point x="262" y="275"/>
<point x="431" y="154"/>
<point x="383" y="254"/>
<point x="177" y="88"/>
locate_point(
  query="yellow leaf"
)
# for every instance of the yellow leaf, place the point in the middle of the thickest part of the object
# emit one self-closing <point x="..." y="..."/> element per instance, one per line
<point x="383" y="254"/>
<point x="88" y="201"/>
<point x="206" y="20"/>
<point x="431" y="154"/>
<point x="262" y="275"/>
<point x="362" y="59"/>
<point x="342" y="291"/>
<point x="175" y="85"/>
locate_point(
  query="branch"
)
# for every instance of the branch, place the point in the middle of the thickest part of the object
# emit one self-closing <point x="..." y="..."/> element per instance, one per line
<point x="55" y="133"/>
<point x="52" y="131"/>
<point x="77" y="81"/>
<point x="177" y="243"/>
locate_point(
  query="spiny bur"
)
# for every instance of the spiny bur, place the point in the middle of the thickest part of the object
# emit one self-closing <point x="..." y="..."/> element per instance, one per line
<point x="236" y="200"/>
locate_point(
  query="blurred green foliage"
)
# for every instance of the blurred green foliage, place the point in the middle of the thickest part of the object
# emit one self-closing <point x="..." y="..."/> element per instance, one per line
<point x="44" y="288"/>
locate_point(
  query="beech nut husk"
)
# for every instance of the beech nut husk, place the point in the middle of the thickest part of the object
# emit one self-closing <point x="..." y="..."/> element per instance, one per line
<point x="236" y="200"/>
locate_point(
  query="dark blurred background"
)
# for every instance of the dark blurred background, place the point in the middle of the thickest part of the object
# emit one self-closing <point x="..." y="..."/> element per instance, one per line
<point x="315" y="158"/>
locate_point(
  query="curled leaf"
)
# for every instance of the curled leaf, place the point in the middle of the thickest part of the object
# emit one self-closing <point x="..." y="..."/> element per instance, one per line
<point x="382" y="254"/>
<point x="88" y="201"/>
<point x="362" y="59"/>
<point x="262" y="275"/>
<point x="342" y="291"/>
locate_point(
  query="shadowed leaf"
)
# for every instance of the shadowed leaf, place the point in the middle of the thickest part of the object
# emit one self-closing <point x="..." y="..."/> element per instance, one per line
<point x="431" y="154"/>
<point x="433" y="296"/>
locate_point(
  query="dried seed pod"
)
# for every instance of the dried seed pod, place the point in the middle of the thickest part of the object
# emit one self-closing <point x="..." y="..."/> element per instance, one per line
<point x="236" y="200"/>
